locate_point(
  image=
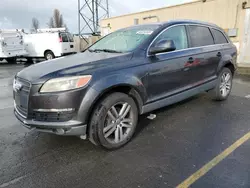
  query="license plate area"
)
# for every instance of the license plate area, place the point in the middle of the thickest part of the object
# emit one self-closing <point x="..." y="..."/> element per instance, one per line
<point x="21" y="103"/>
<point x="21" y="99"/>
<point x="21" y="92"/>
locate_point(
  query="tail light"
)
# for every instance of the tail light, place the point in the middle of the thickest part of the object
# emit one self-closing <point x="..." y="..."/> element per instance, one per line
<point x="60" y="39"/>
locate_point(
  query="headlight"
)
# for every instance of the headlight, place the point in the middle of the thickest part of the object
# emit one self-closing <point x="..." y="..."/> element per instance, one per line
<point x="66" y="83"/>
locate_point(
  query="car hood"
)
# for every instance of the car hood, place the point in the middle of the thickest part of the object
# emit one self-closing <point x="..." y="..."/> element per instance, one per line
<point x="81" y="63"/>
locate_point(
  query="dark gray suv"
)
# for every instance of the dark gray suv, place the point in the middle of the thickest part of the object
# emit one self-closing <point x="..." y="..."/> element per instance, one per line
<point x="98" y="94"/>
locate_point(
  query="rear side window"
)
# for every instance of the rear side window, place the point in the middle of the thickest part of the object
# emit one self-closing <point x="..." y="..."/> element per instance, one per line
<point x="177" y="34"/>
<point x="219" y="37"/>
<point x="200" y="36"/>
<point x="64" y="37"/>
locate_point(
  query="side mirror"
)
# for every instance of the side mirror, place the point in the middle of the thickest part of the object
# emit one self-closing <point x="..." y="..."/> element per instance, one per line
<point x="162" y="46"/>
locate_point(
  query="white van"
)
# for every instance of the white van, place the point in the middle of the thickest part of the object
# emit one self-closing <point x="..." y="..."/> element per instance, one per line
<point x="49" y="43"/>
<point x="11" y="45"/>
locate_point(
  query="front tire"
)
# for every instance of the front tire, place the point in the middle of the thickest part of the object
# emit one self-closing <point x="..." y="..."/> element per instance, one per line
<point x="113" y="121"/>
<point x="49" y="55"/>
<point x="29" y="60"/>
<point x="224" y="85"/>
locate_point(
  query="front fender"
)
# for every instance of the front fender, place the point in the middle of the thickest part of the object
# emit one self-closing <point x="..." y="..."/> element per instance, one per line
<point x="116" y="80"/>
<point x="100" y="86"/>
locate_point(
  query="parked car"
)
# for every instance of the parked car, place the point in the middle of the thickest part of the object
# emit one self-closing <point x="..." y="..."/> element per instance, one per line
<point x="49" y="43"/>
<point x="99" y="94"/>
<point x="11" y="45"/>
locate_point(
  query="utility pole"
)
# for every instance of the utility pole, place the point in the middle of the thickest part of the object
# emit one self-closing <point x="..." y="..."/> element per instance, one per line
<point x="90" y="13"/>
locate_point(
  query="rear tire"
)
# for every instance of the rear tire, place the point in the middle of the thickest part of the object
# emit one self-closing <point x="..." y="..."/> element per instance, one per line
<point x="29" y="60"/>
<point x="49" y="55"/>
<point x="224" y="85"/>
<point x="113" y="121"/>
<point x="11" y="60"/>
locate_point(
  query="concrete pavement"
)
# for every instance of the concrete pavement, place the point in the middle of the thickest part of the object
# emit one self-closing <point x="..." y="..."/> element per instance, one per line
<point x="164" y="152"/>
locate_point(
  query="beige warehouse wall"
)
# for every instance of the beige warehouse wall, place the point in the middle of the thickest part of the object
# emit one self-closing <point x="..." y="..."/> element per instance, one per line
<point x="81" y="44"/>
<point x="225" y="13"/>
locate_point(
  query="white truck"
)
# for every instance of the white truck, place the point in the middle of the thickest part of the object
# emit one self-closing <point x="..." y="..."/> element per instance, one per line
<point x="49" y="43"/>
<point x="11" y="45"/>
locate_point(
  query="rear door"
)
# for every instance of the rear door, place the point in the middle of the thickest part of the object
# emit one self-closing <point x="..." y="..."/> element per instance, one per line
<point x="12" y="44"/>
<point x="204" y="57"/>
<point x="221" y="40"/>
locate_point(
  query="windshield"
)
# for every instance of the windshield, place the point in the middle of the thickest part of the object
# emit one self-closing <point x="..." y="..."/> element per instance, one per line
<point x="124" y="40"/>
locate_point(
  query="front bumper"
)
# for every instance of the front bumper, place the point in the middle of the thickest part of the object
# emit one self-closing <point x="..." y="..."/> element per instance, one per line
<point x="69" y="128"/>
<point x="62" y="113"/>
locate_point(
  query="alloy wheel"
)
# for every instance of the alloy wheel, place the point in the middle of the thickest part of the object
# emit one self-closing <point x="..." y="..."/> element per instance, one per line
<point x="226" y="84"/>
<point x="118" y="123"/>
<point x="49" y="56"/>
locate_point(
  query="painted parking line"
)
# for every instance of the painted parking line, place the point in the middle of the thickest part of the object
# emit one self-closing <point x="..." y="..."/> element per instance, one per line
<point x="12" y="182"/>
<point x="202" y="171"/>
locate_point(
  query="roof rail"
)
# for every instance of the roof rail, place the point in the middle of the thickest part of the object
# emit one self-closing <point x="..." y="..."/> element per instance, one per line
<point x="51" y="30"/>
<point x="10" y="30"/>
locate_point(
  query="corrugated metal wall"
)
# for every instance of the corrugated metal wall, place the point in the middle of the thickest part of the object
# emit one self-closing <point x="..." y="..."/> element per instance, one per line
<point x="81" y="44"/>
<point x="245" y="47"/>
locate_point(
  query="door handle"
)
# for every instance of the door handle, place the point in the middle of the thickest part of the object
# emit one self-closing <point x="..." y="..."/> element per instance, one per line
<point x="71" y="46"/>
<point x="190" y="60"/>
<point x="188" y="64"/>
<point x="219" y="54"/>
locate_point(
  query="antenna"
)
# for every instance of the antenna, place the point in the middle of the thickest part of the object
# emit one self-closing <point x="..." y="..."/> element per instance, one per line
<point x="90" y="12"/>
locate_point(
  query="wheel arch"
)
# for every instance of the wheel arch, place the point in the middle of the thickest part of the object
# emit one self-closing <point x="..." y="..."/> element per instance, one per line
<point x="227" y="61"/>
<point x="230" y="66"/>
<point x="122" y="88"/>
<point x="46" y="51"/>
<point x="103" y="85"/>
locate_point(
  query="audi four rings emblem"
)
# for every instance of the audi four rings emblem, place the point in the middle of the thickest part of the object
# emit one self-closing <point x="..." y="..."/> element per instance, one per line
<point x="17" y="86"/>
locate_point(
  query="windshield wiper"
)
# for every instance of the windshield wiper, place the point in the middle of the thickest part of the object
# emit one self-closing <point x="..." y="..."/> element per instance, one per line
<point x="105" y="50"/>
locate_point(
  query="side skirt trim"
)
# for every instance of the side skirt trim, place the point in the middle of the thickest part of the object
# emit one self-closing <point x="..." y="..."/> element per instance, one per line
<point x="178" y="97"/>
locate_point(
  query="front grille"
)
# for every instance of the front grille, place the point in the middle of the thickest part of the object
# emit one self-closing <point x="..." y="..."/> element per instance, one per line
<point x="51" y="116"/>
<point x="22" y="111"/>
<point x="22" y="97"/>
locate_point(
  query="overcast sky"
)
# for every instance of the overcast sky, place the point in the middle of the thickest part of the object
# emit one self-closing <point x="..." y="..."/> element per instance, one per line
<point x="18" y="13"/>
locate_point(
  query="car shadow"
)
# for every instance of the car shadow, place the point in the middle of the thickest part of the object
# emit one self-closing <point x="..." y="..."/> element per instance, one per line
<point x="144" y="122"/>
<point x="61" y="144"/>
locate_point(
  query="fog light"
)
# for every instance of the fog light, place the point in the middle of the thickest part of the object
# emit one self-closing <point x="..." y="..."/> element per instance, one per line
<point x="60" y="131"/>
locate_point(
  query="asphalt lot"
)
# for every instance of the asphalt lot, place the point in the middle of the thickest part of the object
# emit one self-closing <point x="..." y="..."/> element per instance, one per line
<point x="164" y="152"/>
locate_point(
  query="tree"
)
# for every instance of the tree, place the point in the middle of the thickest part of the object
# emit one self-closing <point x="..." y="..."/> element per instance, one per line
<point x="56" y="20"/>
<point x="35" y="24"/>
<point x="51" y="23"/>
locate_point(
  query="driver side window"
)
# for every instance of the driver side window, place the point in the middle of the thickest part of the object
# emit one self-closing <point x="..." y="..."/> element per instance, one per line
<point x="177" y="34"/>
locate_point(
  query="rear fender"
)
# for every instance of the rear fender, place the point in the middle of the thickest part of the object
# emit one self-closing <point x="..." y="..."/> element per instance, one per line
<point x="227" y="59"/>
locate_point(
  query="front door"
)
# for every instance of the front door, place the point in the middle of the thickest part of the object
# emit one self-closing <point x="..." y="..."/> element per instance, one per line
<point x="65" y="44"/>
<point x="71" y="43"/>
<point x="167" y="74"/>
